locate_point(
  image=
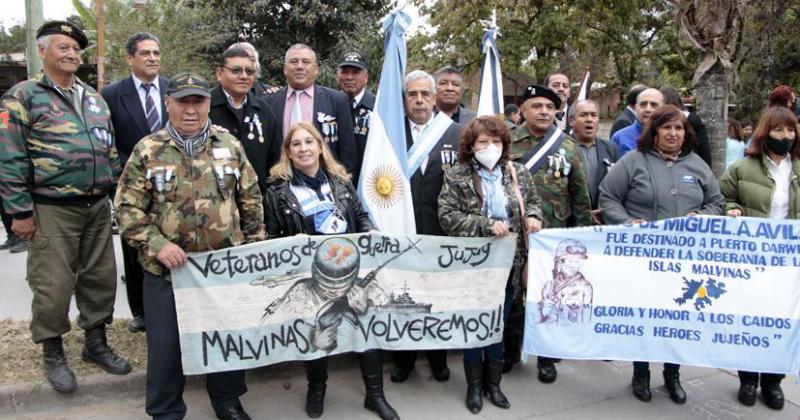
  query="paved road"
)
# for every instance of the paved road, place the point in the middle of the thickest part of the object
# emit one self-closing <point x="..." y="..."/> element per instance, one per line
<point x="16" y="298"/>
<point x="596" y="390"/>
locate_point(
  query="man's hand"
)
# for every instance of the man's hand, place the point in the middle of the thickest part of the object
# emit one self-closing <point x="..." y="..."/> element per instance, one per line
<point x="499" y="229"/>
<point x="172" y="256"/>
<point x="596" y="217"/>
<point x="533" y="225"/>
<point x="734" y="212"/>
<point x="272" y="89"/>
<point x="24" y="228"/>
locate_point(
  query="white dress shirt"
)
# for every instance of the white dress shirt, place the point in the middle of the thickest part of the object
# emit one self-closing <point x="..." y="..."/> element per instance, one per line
<point x="781" y="174"/>
<point x="155" y="93"/>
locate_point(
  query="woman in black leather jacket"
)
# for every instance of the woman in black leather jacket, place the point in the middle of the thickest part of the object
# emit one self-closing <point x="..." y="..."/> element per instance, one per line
<point x="310" y="193"/>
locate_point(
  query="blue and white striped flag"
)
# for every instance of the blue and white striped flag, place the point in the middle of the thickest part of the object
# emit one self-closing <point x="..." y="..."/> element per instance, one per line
<point x="490" y="100"/>
<point x="383" y="186"/>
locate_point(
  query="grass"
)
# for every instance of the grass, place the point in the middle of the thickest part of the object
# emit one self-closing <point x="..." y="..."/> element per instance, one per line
<point x="21" y="359"/>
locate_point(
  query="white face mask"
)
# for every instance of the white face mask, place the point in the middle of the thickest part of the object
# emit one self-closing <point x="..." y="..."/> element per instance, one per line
<point x="489" y="156"/>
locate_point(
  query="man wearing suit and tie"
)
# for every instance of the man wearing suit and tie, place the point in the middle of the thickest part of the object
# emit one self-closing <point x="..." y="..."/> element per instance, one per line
<point x="598" y="155"/>
<point x="304" y="100"/>
<point x="137" y="110"/>
<point x="432" y="140"/>
<point x="352" y="75"/>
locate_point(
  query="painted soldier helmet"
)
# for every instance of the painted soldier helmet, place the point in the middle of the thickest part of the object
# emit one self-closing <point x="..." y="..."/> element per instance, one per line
<point x="335" y="266"/>
<point x="570" y="248"/>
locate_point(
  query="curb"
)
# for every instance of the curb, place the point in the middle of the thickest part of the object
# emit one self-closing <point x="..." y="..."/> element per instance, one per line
<point x="95" y="389"/>
<point x="28" y="398"/>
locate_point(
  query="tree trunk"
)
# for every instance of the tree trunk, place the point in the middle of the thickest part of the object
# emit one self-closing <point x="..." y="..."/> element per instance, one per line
<point x="711" y="92"/>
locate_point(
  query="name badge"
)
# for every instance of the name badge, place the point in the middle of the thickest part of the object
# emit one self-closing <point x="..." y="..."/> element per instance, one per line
<point x="221" y="153"/>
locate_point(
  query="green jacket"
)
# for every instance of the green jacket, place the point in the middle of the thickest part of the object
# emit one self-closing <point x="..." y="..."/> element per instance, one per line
<point x="565" y="196"/>
<point x="165" y="196"/>
<point x="460" y="206"/>
<point x="748" y="186"/>
<point x="52" y="150"/>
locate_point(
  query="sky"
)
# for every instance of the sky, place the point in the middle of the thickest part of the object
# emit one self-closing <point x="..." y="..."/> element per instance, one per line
<point x="14" y="10"/>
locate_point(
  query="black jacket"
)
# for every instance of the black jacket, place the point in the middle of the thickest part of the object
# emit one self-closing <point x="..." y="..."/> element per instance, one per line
<point x="127" y="113"/>
<point x="361" y="116"/>
<point x="425" y="188"/>
<point x="284" y="216"/>
<point x="624" y="119"/>
<point x="331" y="103"/>
<point x="262" y="155"/>
<point x="703" y="147"/>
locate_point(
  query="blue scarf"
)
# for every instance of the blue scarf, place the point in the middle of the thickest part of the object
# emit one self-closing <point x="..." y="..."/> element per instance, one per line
<point x="495" y="203"/>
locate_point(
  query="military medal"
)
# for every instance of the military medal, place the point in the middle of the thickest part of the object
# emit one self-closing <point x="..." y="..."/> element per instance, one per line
<point x="259" y="127"/>
<point x="250" y="136"/>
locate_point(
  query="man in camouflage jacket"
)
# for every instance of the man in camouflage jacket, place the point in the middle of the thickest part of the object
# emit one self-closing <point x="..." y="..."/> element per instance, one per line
<point x="58" y="163"/>
<point x="185" y="188"/>
<point x="554" y="160"/>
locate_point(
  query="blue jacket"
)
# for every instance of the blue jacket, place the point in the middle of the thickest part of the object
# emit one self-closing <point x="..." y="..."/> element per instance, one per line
<point x="626" y="138"/>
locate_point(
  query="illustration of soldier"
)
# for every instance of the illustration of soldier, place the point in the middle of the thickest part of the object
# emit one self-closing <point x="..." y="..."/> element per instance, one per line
<point x="334" y="291"/>
<point x="568" y="296"/>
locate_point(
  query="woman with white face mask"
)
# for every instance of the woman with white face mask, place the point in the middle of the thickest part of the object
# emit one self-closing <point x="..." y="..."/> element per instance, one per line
<point x="486" y="194"/>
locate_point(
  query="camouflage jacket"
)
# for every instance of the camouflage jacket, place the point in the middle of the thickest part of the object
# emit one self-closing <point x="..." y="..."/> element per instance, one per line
<point x="49" y="150"/>
<point x="201" y="204"/>
<point x="564" y="193"/>
<point x="460" y="206"/>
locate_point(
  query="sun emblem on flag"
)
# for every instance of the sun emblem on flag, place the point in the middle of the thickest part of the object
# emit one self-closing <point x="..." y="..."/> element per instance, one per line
<point x="385" y="186"/>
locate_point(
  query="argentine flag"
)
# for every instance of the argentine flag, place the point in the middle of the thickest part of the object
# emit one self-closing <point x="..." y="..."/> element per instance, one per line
<point x="490" y="100"/>
<point x="383" y="186"/>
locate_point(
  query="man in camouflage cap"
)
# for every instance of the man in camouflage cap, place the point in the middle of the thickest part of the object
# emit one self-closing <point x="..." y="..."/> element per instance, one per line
<point x="186" y="188"/>
<point x="58" y="163"/>
<point x="552" y="157"/>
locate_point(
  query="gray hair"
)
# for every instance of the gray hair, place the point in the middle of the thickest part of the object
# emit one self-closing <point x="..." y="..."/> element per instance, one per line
<point x="574" y="108"/>
<point x="300" y="46"/>
<point x="250" y="50"/>
<point x="419" y="75"/>
<point x="44" y="41"/>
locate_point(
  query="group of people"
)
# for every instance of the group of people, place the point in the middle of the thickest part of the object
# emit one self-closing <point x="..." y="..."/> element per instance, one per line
<point x="194" y="168"/>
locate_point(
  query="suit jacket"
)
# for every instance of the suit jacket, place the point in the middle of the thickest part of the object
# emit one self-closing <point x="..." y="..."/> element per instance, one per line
<point x="127" y="113"/>
<point x="626" y="118"/>
<point x="263" y="148"/>
<point x="425" y="188"/>
<point x="361" y="115"/>
<point x="606" y="156"/>
<point x="331" y="103"/>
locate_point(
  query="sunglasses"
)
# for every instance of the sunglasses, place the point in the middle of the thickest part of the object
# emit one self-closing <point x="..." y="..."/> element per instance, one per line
<point x="238" y="70"/>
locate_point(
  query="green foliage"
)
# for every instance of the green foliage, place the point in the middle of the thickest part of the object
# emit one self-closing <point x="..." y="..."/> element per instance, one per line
<point x="768" y="55"/>
<point x="12" y="39"/>
<point x="618" y="40"/>
<point x="192" y="34"/>
<point x="328" y="26"/>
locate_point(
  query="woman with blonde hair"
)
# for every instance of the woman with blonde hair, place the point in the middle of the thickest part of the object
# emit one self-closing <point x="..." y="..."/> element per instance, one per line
<point x="310" y="193"/>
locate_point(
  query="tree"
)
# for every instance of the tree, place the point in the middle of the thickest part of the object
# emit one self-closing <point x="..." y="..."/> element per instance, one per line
<point x="714" y="28"/>
<point x="327" y="26"/>
<point x="12" y="39"/>
<point x="192" y="33"/>
<point x="618" y="40"/>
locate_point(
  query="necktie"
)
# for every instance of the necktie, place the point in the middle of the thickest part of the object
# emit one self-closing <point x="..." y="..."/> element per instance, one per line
<point x="150" y="109"/>
<point x="297" y="112"/>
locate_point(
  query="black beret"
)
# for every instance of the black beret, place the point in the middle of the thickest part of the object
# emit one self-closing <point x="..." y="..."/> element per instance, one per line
<point x="534" y="91"/>
<point x="60" y="27"/>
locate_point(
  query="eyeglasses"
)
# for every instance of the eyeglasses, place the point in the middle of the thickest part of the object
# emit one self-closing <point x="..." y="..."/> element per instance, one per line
<point x="238" y="70"/>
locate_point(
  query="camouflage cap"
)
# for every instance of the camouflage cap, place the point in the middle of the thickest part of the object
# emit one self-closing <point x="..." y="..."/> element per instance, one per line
<point x="60" y="27"/>
<point x="187" y="84"/>
<point x="535" y="91"/>
<point x="352" y="59"/>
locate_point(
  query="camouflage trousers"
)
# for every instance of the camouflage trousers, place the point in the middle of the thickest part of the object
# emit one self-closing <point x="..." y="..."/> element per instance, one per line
<point x="71" y="252"/>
